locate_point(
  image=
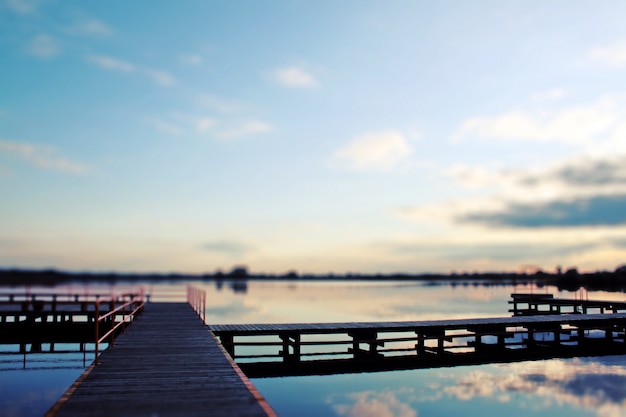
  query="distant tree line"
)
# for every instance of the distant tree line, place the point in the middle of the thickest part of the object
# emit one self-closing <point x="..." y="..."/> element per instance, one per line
<point x="570" y="280"/>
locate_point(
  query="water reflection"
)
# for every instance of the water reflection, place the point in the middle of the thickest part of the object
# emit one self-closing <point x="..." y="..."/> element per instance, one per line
<point x="584" y="383"/>
<point x="32" y="392"/>
<point x="332" y="301"/>
<point x="573" y="387"/>
<point x="376" y="404"/>
<point x="579" y="387"/>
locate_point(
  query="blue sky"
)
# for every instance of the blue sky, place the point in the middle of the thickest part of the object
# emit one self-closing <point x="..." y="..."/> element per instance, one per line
<point x="320" y="136"/>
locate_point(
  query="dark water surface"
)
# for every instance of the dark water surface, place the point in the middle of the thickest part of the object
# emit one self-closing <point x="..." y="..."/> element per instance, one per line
<point x="569" y="387"/>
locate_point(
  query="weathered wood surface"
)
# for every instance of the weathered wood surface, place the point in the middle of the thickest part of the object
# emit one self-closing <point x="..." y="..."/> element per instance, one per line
<point x="325" y="328"/>
<point x="305" y="349"/>
<point x="167" y="364"/>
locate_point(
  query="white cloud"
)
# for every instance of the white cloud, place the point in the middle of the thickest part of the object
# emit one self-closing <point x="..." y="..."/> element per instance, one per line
<point x="110" y="63"/>
<point x="41" y="156"/>
<point x="167" y="127"/>
<point x="590" y="386"/>
<point x="553" y="94"/>
<point x="377" y="151"/>
<point x="576" y="177"/>
<point x="43" y="46"/>
<point x="246" y="128"/>
<point x="191" y="59"/>
<point x="183" y="123"/>
<point x="160" y="77"/>
<point x="610" y="55"/>
<point x="204" y="124"/>
<point x="90" y="27"/>
<point x="219" y="104"/>
<point x="375" y="404"/>
<point x="295" y="77"/>
<point x="579" y="124"/>
<point x="22" y="6"/>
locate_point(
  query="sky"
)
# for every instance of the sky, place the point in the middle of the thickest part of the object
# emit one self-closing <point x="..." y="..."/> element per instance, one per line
<point x="317" y="136"/>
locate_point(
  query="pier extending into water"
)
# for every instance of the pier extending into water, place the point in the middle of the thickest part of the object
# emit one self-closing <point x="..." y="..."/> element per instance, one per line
<point x="170" y="363"/>
<point x="328" y="348"/>
<point x="167" y="364"/>
<point x="38" y="322"/>
<point x="544" y="304"/>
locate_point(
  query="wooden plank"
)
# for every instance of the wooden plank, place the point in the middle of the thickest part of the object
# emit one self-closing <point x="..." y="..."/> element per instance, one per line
<point x="318" y="328"/>
<point x="167" y="364"/>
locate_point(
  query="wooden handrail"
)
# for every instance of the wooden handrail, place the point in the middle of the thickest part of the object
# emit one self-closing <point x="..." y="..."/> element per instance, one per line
<point x="135" y="302"/>
<point x="197" y="300"/>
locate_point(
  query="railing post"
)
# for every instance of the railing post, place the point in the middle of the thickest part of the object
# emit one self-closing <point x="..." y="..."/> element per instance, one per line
<point x="196" y="298"/>
<point x="97" y="317"/>
<point x="112" y="306"/>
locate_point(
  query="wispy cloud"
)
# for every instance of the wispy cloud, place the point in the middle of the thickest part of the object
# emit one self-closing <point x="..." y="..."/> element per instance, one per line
<point x="373" y="404"/>
<point x="90" y="27"/>
<point x="43" y="46"/>
<point x="593" y="387"/>
<point x="204" y="124"/>
<point x="295" y="77"/>
<point x="375" y="151"/>
<point x="166" y="127"/>
<point x="42" y="156"/>
<point x="245" y="128"/>
<point x="160" y="77"/>
<point x="106" y="62"/>
<point x="22" y="6"/>
<point x="571" y="178"/>
<point x="576" y="192"/>
<point x="553" y="94"/>
<point x="191" y="59"/>
<point x="613" y="55"/>
<point x="231" y="247"/>
<point x="222" y="129"/>
<point x="220" y="104"/>
<point x="578" y="124"/>
<point x="110" y="63"/>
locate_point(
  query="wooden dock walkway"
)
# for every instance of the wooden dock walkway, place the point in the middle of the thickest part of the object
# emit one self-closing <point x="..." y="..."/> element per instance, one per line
<point x="167" y="364"/>
<point x="264" y="350"/>
<point x="544" y="304"/>
<point x="32" y="320"/>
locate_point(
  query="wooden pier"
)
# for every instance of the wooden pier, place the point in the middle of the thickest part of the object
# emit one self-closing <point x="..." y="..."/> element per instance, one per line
<point x="544" y="304"/>
<point x="268" y="350"/>
<point x="36" y="322"/>
<point x="167" y="364"/>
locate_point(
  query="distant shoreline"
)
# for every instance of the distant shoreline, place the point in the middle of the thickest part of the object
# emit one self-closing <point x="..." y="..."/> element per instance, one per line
<point x="571" y="280"/>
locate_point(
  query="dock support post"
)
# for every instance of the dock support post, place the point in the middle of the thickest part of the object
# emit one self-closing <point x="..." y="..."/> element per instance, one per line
<point x="290" y="340"/>
<point x="365" y="336"/>
<point x="582" y="339"/>
<point x="420" y="347"/>
<point x="228" y="343"/>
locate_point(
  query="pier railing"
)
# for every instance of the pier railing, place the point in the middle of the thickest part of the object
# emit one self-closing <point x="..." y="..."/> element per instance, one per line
<point x="37" y="321"/>
<point x="122" y="310"/>
<point x="545" y="304"/>
<point x="196" y="298"/>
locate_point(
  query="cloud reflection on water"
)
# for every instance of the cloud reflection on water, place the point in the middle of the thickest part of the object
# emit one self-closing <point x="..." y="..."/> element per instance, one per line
<point x="591" y="385"/>
<point x="385" y="403"/>
<point x="571" y="387"/>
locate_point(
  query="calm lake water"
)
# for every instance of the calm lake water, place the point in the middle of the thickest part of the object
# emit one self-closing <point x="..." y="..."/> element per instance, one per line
<point x="570" y="387"/>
